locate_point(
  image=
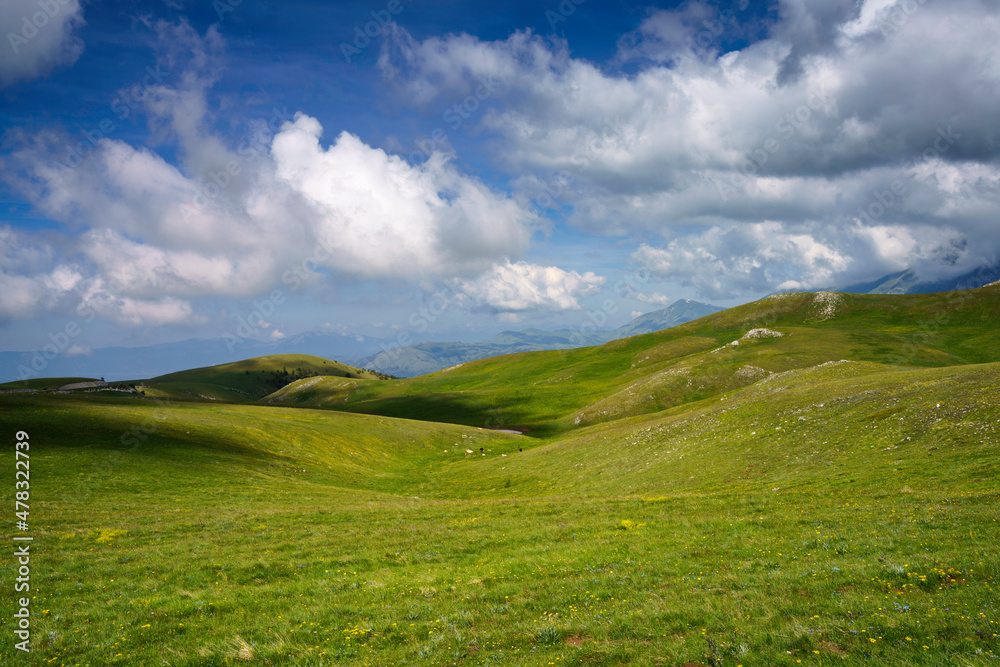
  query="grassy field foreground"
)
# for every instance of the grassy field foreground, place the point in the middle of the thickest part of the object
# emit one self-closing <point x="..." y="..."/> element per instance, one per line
<point x="837" y="515"/>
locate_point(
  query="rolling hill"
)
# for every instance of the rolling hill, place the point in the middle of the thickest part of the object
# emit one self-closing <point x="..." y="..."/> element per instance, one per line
<point x="560" y="390"/>
<point x="249" y="379"/>
<point x="125" y="363"/>
<point x="423" y="358"/>
<point x="708" y="494"/>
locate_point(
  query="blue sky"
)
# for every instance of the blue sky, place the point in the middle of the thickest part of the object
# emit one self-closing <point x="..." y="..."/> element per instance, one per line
<point x="168" y="168"/>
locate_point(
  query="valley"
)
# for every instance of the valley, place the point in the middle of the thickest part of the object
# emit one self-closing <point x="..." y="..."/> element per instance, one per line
<point x="825" y="496"/>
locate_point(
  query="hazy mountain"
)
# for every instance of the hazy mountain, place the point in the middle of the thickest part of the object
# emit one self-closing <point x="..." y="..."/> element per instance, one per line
<point x="422" y="358"/>
<point x="676" y="313"/>
<point x="133" y="363"/>
<point x="909" y="282"/>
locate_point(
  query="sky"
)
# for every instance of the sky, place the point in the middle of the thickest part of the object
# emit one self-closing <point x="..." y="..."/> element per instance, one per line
<point x="195" y="169"/>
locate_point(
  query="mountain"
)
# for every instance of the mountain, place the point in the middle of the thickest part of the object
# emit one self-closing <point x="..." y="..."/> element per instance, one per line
<point x="678" y="312"/>
<point x="909" y="282"/>
<point x="126" y="363"/>
<point x="249" y="379"/>
<point x="836" y="335"/>
<point x="844" y="453"/>
<point x="423" y="358"/>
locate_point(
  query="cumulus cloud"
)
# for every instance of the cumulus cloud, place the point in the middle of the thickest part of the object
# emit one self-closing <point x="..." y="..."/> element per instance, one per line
<point x="31" y="278"/>
<point x="520" y="286"/>
<point x="38" y="37"/>
<point x="750" y="259"/>
<point x="38" y="275"/>
<point x="840" y="108"/>
<point x="235" y="219"/>
<point x="654" y="299"/>
<point x="754" y="258"/>
<point x="383" y="217"/>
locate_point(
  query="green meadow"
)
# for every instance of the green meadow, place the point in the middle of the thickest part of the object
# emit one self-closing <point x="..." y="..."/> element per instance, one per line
<point x="828" y="496"/>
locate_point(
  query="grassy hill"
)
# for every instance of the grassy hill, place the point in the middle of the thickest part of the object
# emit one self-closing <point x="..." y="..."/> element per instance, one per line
<point x="815" y="511"/>
<point x="552" y="392"/>
<point x="247" y="380"/>
<point x="43" y="384"/>
<point x="429" y="357"/>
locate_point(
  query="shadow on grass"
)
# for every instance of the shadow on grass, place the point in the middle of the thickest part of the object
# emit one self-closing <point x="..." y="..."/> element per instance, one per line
<point x="80" y="423"/>
<point x="458" y="408"/>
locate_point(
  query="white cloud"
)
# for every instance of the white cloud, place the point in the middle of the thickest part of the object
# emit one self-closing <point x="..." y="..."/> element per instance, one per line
<point x="38" y="36"/>
<point x="803" y="130"/>
<point x="517" y="287"/>
<point x="380" y="216"/>
<point x="98" y="298"/>
<point x="749" y="259"/>
<point x="31" y="279"/>
<point x="654" y="299"/>
<point x="743" y="260"/>
<point x="36" y="278"/>
<point x="239" y="220"/>
<point x="873" y="16"/>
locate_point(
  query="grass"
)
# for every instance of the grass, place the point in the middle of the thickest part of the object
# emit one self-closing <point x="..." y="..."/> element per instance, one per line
<point x="555" y="392"/>
<point x="812" y="514"/>
<point x="247" y="380"/>
<point x="43" y="384"/>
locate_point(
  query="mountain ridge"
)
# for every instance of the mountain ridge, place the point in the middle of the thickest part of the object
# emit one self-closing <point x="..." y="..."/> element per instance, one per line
<point x="120" y="363"/>
<point x="908" y="281"/>
<point x="428" y="357"/>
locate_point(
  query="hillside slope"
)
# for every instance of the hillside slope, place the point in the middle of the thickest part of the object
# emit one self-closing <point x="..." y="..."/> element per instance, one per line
<point x="550" y="392"/>
<point x="842" y="514"/>
<point x="835" y="424"/>
<point x="249" y="379"/>
<point x="428" y="357"/>
<point x="423" y="358"/>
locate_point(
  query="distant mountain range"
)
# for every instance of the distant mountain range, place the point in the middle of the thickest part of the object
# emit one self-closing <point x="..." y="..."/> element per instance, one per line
<point x="134" y="363"/>
<point x="908" y="282"/>
<point x="422" y="358"/>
